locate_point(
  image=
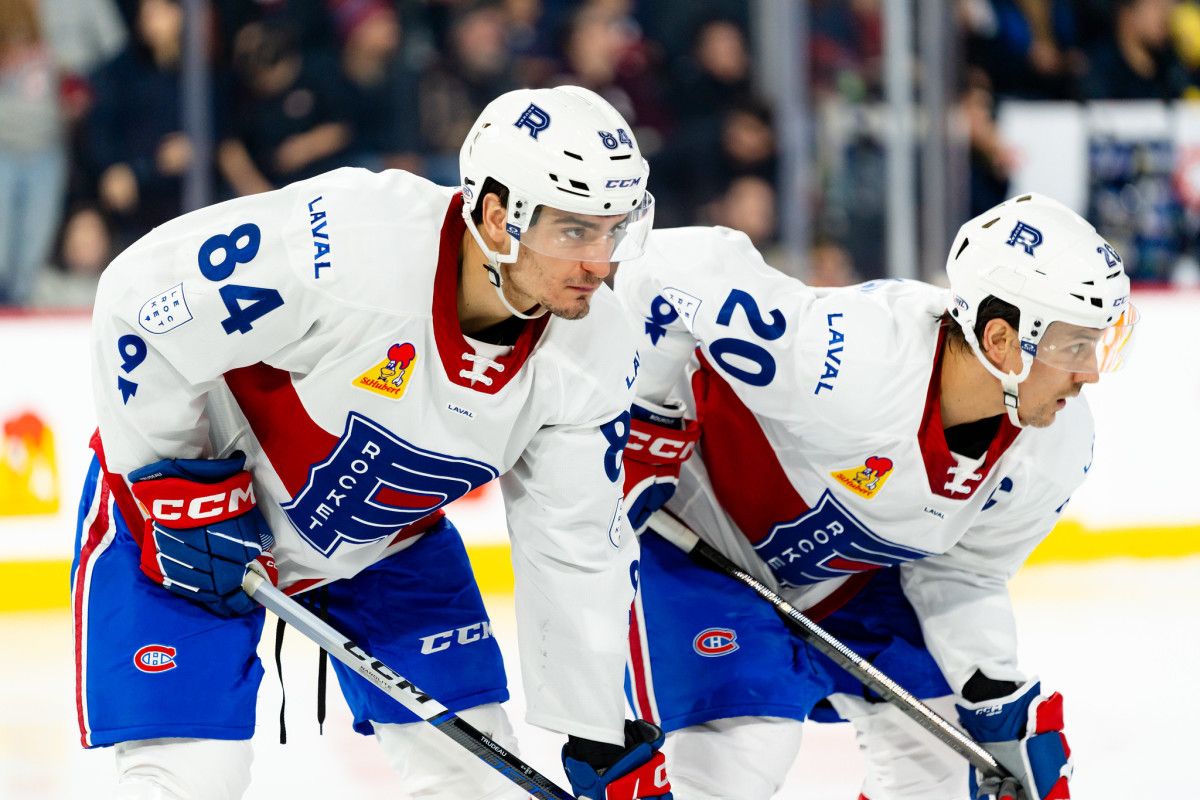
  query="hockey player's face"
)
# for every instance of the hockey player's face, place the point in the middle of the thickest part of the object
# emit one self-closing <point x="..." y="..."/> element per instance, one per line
<point x="564" y="285"/>
<point x="1046" y="392"/>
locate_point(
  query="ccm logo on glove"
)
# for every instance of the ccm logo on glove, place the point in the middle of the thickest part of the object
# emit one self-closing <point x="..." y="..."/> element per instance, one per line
<point x="175" y="500"/>
<point x="663" y="448"/>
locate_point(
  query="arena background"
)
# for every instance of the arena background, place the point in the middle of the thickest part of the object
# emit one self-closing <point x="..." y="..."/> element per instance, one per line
<point x="848" y="138"/>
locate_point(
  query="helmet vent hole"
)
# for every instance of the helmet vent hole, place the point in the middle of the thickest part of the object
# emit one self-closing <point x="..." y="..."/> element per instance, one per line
<point x="579" y="185"/>
<point x="608" y="205"/>
<point x="1023" y="199"/>
<point x="620" y="158"/>
<point x="1112" y="275"/>
<point x="961" y="247"/>
<point x="1097" y="302"/>
<point x="553" y="177"/>
<point x="570" y="191"/>
<point x="575" y="156"/>
<point x="990" y="224"/>
<point x="1039" y="272"/>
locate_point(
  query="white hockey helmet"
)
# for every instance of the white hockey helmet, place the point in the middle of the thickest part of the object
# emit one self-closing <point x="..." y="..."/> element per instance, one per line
<point x="1067" y="283"/>
<point x="565" y="148"/>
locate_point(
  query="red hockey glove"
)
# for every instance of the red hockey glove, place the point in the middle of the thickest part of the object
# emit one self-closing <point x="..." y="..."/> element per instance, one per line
<point x="660" y="440"/>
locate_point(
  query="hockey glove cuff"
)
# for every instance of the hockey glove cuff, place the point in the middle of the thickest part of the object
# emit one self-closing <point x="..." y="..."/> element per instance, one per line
<point x="1024" y="731"/>
<point x="637" y="771"/>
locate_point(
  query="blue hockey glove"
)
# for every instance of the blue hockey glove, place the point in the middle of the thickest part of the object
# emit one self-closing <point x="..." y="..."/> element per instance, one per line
<point x="660" y="440"/>
<point x="599" y="771"/>
<point x="202" y="530"/>
<point x="1023" y="730"/>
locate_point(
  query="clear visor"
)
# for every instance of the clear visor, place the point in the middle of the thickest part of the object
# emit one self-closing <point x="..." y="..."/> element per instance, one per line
<point x="586" y="237"/>
<point x="1075" y="348"/>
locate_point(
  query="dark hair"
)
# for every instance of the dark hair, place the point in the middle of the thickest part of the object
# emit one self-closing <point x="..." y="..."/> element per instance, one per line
<point x="490" y="186"/>
<point x="493" y="186"/>
<point x="991" y="308"/>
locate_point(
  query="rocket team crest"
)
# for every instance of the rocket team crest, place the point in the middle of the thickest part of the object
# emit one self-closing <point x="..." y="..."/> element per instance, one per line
<point x="391" y="376"/>
<point x="866" y="481"/>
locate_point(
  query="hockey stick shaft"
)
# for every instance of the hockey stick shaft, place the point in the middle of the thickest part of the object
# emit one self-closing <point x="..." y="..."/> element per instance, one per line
<point x="401" y="690"/>
<point x="706" y="555"/>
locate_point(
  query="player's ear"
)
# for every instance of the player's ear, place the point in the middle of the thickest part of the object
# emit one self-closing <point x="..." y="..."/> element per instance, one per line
<point x="492" y="224"/>
<point x="999" y="343"/>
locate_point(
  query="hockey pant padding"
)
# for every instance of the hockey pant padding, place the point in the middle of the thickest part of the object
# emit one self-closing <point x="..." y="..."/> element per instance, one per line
<point x="740" y="758"/>
<point x="903" y="761"/>
<point x="183" y="769"/>
<point x="432" y="767"/>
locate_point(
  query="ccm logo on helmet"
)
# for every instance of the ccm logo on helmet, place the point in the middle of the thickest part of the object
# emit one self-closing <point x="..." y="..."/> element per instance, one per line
<point x="713" y="642"/>
<point x="155" y="658"/>
<point x="621" y="183"/>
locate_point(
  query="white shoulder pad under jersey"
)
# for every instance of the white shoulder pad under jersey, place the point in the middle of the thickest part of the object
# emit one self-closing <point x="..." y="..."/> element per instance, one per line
<point x="315" y="329"/>
<point x="823" y="455"/>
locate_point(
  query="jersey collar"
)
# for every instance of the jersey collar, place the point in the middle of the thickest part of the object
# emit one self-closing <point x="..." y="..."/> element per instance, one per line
<point x="939" y="460"/>
<point x="452" y="346"/>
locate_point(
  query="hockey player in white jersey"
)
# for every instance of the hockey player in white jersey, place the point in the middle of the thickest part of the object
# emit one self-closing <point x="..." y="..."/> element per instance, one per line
<point x="307" y="376"/>
<point x="886" y="456"/>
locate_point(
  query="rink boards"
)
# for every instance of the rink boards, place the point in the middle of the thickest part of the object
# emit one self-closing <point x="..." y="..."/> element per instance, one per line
<point x="1139" y="500"/>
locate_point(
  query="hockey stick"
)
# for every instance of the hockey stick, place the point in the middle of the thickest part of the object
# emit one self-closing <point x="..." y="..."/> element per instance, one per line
<point x="706" y="555"/>
<point x="401" y="690"/>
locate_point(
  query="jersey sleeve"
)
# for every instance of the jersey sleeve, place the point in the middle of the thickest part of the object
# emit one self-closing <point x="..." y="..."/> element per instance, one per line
<point x="207" y="292"/>
<point x="961" y="597"/>
<point x="572" y="557"/>
<point x="709" y="288"/>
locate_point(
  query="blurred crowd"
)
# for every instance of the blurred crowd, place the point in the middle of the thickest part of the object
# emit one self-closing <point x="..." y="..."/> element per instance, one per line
<point x="1142" y="194"/>
<point x="93" y="148"/>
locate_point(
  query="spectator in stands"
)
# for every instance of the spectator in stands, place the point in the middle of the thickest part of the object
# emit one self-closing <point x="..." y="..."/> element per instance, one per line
<point x="703" y="158"/>
<point x="717" y="76"/>
<point x="476" y="67"/>
<point x="287" y="125"/>
<point x="1139" y="63"/>
<point x="530" y="40"/>
<point x="135" y="132"/>
<point x="846" y="49"/>
<point x="379" y="92"/>
<point x="603" y="51"/>
<point x="829" y="264"/>
<point x="308" y="19"/>
<point x="991" y="160"/>
<point x="32" y="150"/>
<point x="1027" y="48"/>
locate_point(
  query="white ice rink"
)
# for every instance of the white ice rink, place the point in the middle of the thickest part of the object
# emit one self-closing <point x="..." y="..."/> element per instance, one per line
<point x="1120" y="639"/>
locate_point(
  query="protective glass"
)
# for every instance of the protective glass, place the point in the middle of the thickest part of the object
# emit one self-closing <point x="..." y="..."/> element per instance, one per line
<point x="1075" y="348"/>
<point x="586" y="237"/>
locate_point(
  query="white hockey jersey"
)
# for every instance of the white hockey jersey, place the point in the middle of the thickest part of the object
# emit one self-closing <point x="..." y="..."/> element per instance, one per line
<point x="315" y="328"/>
<point x="822" y="453"/>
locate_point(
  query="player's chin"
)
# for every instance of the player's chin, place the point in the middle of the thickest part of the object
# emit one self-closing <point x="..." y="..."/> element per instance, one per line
<point x="1042" y="418"/>
<point x="576" y="308"/>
